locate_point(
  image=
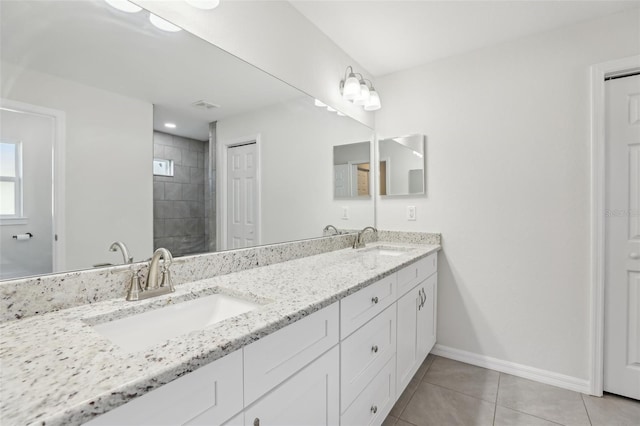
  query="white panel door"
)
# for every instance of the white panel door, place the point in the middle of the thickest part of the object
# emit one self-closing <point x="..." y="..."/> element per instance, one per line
<point x="622" y="279"/>
<point x="26" y="149"/>
<point x="242" y="196"/>
<point x="342" y="180"/>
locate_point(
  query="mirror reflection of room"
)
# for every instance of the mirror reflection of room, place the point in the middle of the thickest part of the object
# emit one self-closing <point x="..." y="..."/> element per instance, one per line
<point x="402" y="165"/>
<point x="352" y="170"/>
<point x="145" y="148"/>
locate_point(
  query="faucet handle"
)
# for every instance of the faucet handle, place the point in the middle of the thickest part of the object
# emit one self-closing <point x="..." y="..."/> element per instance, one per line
<point x="135" y="286"/>
<point x="165" y="280"/>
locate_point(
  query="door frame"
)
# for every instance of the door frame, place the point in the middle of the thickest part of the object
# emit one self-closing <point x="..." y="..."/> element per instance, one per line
<point x="598" y="152"/>
<point x="59" y="137"/>
<point x="221" y="213"/>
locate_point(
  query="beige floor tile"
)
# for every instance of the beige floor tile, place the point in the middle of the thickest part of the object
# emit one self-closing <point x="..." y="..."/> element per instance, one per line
<point x="389" y="421"/>
<point x="401" y="422"/>
<point x="404" y="399"/>
<point x="612" y="410"/>
<point x="467" y="379"/>
<point x="434" y="405"/>
<point x="411" y="387"/>
<point x="540" y="400"/>
<point x="508" y="417"/>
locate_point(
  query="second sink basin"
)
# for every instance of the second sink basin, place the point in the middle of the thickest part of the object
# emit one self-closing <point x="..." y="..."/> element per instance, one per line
<point x="140" y="331"/>
<point x="387" y="250"/>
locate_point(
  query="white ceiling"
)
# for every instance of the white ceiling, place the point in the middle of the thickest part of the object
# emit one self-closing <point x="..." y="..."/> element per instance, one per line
<point x="393" y="35"/>
<point x="94" y="44"/>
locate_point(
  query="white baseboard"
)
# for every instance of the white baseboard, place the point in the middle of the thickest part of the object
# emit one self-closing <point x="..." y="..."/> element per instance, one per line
<point x="524" y="371"/>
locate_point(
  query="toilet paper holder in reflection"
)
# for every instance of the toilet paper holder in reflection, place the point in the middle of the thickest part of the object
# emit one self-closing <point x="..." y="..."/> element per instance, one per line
<point x="25" y="236"/>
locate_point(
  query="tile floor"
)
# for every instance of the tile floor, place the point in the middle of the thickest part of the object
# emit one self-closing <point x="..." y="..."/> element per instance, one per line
<point x="445" y="392"/>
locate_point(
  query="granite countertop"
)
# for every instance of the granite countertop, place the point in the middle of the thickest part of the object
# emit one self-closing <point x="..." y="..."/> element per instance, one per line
<point x="56" y="369"/>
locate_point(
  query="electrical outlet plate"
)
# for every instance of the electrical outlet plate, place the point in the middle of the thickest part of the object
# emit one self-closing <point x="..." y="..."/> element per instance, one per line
<point x="411" y="212"/>
<point x="345" y="213"/>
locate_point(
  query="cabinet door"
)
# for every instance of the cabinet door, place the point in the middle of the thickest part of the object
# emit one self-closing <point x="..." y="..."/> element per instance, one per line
<point x="310" y="397"/>
<point x="426" y="326"/>
<point x="209" y="395"/>
<point x="407" y="356"/>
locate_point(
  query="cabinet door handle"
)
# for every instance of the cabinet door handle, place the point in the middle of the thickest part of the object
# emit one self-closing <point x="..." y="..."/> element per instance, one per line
<point x="256" y="422"/>
<point x="374" y="409"/>
<point x="374" y="349"/>
<point x="374" y="300"/>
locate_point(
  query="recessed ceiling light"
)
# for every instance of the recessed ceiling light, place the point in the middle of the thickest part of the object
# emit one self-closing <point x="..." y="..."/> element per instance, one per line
<point x="170" y="125"/>
<point x="124" y="5"/>
<point x="162" y="24"/>
<point x="204" y="4"/>
<point x="319" y="103"/>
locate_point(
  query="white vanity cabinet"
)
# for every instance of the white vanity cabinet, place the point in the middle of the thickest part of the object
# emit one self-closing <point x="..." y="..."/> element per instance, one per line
<point x="343" y="365"/>
<point x="368" y="347"/>
<point x="416" y="327"/>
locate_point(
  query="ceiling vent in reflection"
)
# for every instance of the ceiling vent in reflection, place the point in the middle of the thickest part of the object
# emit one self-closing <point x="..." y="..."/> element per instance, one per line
<point x="204" y="105"/>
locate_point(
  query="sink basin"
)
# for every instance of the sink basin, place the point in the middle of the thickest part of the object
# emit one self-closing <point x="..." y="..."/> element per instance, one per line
<point x="144" y="330"/>
<point x="387" y="250"/>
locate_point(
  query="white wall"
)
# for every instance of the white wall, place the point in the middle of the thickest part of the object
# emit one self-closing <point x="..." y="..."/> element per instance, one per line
<point x="508" y="186"/>
<point x="297" y="174"/>
<point x="276" y="38"/>
<point x="109" y="177"/>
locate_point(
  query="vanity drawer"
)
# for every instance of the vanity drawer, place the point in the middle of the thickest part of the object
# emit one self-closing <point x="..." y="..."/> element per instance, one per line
<point x="415" y="273"/>
<point x="360" y="307"/>
<point x="365" y="352"/>
<point x="214" y="390"/>
<point x="271" y="360"/>
<point x="376" y="400"/>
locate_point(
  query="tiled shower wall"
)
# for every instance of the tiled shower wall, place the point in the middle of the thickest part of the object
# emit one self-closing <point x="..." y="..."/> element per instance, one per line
<point x="179" y="201"/>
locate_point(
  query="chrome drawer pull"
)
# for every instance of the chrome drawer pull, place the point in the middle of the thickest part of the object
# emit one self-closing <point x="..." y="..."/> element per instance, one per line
<point x="374" y="409"/>
<point x="374" y="299"/>
<point x="375" y="349"/>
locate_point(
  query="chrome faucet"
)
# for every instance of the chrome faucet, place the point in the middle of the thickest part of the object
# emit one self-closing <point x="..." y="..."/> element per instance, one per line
<point x="153" y="283"/>
<point x="328" y="227"/>
<point x="358" y="242"/>
<point x="123" y="248"/>
<point x="159" y="280"/>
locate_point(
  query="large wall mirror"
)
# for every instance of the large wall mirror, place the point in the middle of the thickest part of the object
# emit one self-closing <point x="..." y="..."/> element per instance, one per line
<point x="402" y="165"/>
<point x="128" y="132"/>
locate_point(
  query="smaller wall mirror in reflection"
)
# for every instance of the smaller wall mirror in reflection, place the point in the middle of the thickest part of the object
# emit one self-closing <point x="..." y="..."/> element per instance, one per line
<point x="352" y="172"/>
<point x="402" y="165"/>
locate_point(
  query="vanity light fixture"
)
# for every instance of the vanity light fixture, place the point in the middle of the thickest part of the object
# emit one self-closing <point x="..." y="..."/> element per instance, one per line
<point x="170" y="125"/>
<point x="204" y="4"/>
<point x="124" y="6"/>
<point x="160" y="23"/>
<point x="359" y="90"/>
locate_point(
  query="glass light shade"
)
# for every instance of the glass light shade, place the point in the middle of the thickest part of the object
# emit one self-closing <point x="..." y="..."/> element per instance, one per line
<point x="124" y="5"/>
<point x="374" y="102"/>
<point x="160" y="23"/>
<point x="204" y="4"/>
<point x="351" y="88"/>
<point x="319" y="103"/>
<point x="363" y="99"/>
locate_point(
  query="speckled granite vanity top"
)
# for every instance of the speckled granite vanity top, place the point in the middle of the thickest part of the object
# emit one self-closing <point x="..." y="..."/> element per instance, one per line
<point x="56" y="369"/>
